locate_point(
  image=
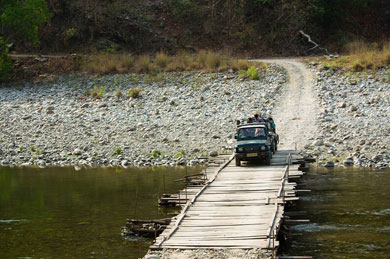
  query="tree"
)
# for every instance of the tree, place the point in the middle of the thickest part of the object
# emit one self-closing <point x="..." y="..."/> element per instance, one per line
<point x="19" y="21"/>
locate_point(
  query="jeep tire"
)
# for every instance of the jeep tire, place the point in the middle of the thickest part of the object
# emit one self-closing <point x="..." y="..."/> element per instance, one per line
<point x="273" y="148"/>
<point x="268" y="158"/>
<point x="238" y="162"/>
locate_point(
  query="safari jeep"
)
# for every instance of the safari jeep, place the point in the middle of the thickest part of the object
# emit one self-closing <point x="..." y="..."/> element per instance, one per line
<point x="254" y="143"/>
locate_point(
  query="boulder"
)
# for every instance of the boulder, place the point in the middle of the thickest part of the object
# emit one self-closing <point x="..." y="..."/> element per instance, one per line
<point x="213" y="153"/>
<point x="76" y="152"/>
<point x="329" y="164"/>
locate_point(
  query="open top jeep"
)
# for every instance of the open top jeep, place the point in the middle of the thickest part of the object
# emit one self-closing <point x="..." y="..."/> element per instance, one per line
<point x="254" y="142"/>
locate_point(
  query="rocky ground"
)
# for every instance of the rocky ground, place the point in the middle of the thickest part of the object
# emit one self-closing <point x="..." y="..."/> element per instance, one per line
<point x="178" y="117"/>
<point x="208" y="254"/>
<point x="354" y="121"/>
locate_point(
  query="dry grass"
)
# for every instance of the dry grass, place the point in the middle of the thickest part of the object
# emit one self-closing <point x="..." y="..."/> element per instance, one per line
<point x="361" y="56"/>
<point x="162" y="59"/>
<point x="109" y="63"/>
<point x="182" y="61"/>
<point x="142" y="64"/>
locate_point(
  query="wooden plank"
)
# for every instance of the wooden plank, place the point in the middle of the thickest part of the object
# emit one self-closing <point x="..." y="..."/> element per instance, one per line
<point x="234" y="209"/>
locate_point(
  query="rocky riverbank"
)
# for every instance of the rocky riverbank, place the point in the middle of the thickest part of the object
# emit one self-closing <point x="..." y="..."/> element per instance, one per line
<point x="208" y="254"/>
<point x="84" y="120"/>
<point x="354" y="121"/>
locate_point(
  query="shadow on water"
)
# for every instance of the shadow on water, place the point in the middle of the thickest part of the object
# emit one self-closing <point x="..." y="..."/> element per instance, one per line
<point x="63" y="213"/>
<point x="349" y="213"/>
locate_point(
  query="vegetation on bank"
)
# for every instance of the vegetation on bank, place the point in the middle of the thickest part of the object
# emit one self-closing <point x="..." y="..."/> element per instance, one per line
<point x="361" y="56"/>
<point x="203" y="60"/>
<point x="19" y="21"/>
<point x="151" y="66"/>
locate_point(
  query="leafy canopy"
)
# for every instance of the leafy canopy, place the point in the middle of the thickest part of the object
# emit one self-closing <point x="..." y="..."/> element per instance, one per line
<point x="20" y="19"/>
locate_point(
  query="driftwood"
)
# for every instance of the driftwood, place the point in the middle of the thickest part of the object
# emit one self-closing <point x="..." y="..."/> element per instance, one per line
<point x="312" y="42"/>
<point x="145" y="228"/>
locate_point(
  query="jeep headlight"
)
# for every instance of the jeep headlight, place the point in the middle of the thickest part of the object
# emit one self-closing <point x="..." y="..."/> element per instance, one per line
<point x="262" y="148"/>
<point x="240" y="149"/>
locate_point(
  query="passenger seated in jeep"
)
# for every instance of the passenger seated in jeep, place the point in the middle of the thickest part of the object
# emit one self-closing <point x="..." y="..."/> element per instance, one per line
<point x="272" y="124"/>
<point x="258" y="118"/>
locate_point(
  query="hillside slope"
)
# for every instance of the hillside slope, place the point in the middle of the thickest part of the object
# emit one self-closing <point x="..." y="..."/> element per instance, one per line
<point x="254" y="27"/>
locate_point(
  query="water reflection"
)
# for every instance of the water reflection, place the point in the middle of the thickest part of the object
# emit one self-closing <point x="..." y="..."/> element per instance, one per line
<point x="349" y="213"/>
<point x="61" y="212"/>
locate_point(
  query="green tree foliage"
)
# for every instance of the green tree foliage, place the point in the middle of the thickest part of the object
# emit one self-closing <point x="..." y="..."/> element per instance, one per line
<point x="19" y="20"/>
<point x="5" y="62"/>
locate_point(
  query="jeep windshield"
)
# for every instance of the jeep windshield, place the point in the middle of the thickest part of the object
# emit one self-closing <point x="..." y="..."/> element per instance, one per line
<point x="251" y="133"/>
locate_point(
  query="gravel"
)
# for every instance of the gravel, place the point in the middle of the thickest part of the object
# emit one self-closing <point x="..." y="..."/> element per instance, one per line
<point x="177" y="119"/>
<point x="208" y="254"/>
<point x="354" y="122"/>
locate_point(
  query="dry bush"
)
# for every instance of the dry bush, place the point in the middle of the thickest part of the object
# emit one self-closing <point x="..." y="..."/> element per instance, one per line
<point x="102" y="63"/>
<point x="240" y="64"/>
<point x="162" y="59"/>
<point x="212" y="61"/>
<point x="201" y="58"/>
<point x="125" y="63"/>
<point x="358" y="47"/>
<point x="142" y="64"/>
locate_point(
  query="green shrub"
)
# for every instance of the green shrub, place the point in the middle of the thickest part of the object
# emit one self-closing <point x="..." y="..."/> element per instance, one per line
<point x="5" y="62"/>
<point x="70" y="33"/>
<point x="134" y="92"/>
<point x="118" y="150"/>
<point x="98" y="92"/>
<point x="181" y="153"/>
<point x="180" y="8"/>
<point x="242" y="74"/>
<point x="253" y="73"/>
<point x="156" y="153"/>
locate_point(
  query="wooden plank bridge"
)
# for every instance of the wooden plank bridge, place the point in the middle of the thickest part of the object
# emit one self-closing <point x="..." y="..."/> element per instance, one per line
<point x="237" y="207"/>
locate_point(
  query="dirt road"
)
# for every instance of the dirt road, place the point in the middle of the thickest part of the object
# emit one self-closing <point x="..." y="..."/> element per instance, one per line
<point x="296" y="110"/>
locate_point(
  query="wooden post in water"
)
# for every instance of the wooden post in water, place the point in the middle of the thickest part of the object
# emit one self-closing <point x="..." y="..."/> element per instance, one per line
<point x="164" y="183"/>
<point x="136" y="203"/>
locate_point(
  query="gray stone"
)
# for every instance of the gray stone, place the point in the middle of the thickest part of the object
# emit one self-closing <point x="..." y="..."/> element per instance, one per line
<point x="85" y="105"/>
<point x="352" y="108"/>
<point x="329" y="164"/>
<point x="125" y="163"/>
<point x="342" y="105"/>
<point x="213" y="154"/>
<point x="76" y="152"/>
<point x="348" y="161"/>
<point x="5" y="162"/>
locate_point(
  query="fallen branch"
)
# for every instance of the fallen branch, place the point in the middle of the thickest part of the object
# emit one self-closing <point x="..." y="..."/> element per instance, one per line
<point x="310" y="40"/>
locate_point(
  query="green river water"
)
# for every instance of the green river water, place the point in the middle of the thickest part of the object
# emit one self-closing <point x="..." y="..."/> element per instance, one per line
<point x="63" y="213"/>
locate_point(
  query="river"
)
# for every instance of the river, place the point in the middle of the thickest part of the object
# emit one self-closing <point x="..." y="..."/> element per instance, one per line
<point x="63" y="213"/>
<point x="349" y="213"/>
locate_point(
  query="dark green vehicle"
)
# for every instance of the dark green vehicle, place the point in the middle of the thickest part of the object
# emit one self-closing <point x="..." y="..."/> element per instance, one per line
<point x="255" y="142"/>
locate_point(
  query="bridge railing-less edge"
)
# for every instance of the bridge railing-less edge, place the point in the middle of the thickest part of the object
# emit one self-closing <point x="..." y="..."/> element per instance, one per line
<point x="189" y="203"/>
<point x="272" y="232"/>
